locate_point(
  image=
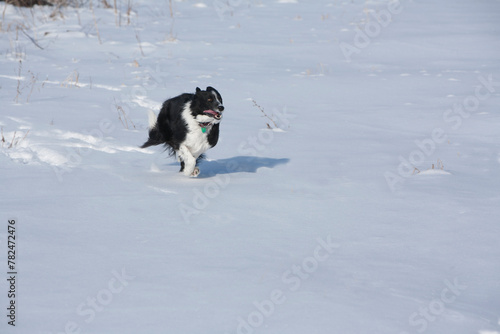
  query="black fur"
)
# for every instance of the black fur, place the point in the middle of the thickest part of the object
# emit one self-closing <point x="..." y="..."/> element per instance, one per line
<point x="181" y="131"/>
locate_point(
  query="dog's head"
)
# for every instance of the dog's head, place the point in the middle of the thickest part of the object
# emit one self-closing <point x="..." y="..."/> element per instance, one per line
<point x="207" y="105"/>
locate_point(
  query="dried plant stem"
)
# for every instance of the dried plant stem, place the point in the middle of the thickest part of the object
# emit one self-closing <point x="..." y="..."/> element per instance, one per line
<point x="129" y="10"/>
<point x="12" y="142"/>
<point x="125" y="118"/>
<point x="71" y="80"/>
<point x="26" y="135"/>
<point x="78" y="13"/>
<point x="117" y="20"/>
<point x="171" y="36"/>
<point x="19" y="81"/>
<point x="439" y="164"/>
<point x="3" y="16"/>
<point x="171" y="8"/>
<point x="32" y="82"/>
<point x="265" y="115"/>
<point x="139" y="42"/>
<point x="95" y="22"/>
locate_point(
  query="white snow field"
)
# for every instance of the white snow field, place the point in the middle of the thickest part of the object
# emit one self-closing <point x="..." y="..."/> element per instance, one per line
<point x="366" y="201"/>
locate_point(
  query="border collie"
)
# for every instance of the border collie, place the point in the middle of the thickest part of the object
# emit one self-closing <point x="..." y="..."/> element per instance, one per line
<point x="188" y="125"/>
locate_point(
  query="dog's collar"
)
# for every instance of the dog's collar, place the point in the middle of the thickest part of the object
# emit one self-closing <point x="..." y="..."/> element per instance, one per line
<point x="204" y="125"/>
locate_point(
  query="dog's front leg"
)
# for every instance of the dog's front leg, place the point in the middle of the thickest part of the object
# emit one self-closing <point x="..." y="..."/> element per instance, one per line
<point x="189" y="160"/>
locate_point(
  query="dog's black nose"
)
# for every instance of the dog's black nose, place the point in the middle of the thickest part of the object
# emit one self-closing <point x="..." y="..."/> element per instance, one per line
<point x="221" y="108"/>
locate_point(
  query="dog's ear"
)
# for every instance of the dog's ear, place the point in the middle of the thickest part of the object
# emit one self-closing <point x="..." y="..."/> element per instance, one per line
<point x="209" y="89"/>
<point x="198" y="90"/>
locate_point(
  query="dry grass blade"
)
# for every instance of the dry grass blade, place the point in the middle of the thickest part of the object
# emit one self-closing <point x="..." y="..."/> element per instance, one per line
<point x="139" y="41"/>
<point x="265" y="115"/>
<point x="3" y="138"/>
<point x="12" y="142"/>
<point x="31" y="39"/>
<point x="18" y="89"/>
<point x="170" y="7"/>
<point x="71" y="80"/>
<point x="125" y="120"/>
<point x="95" y="22"/>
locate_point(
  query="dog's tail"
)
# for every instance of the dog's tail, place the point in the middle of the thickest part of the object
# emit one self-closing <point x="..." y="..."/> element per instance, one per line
<point x="151" y="119"/>
<point x="155" y="137"/>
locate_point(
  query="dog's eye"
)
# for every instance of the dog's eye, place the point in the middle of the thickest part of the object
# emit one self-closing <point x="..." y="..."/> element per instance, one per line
<point x="210" y="100"/>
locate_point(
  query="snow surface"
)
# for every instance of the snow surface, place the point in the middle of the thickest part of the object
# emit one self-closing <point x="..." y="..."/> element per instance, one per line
<point x="332" y="221"/>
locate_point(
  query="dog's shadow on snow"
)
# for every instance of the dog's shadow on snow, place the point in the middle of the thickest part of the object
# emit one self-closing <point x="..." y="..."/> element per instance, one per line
<point x="240" y="164"/>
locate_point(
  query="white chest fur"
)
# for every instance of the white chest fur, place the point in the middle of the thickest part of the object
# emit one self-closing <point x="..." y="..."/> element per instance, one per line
<point x="196" y="140"/>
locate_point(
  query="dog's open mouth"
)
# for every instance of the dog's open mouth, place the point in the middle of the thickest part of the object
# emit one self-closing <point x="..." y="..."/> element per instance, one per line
<point x="213" y="113"/>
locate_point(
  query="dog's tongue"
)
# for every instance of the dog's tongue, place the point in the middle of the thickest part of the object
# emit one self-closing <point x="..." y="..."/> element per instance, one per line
<point x="214" y="113"/>
<point x="209" y="111"/>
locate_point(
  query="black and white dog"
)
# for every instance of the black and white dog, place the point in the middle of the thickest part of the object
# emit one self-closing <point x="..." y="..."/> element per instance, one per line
<point x="188" y="125"/>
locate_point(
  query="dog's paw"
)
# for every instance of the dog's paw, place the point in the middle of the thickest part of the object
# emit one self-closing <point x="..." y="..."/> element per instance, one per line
<point x="195" y="172"/>
<point x="191" y="172"/>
